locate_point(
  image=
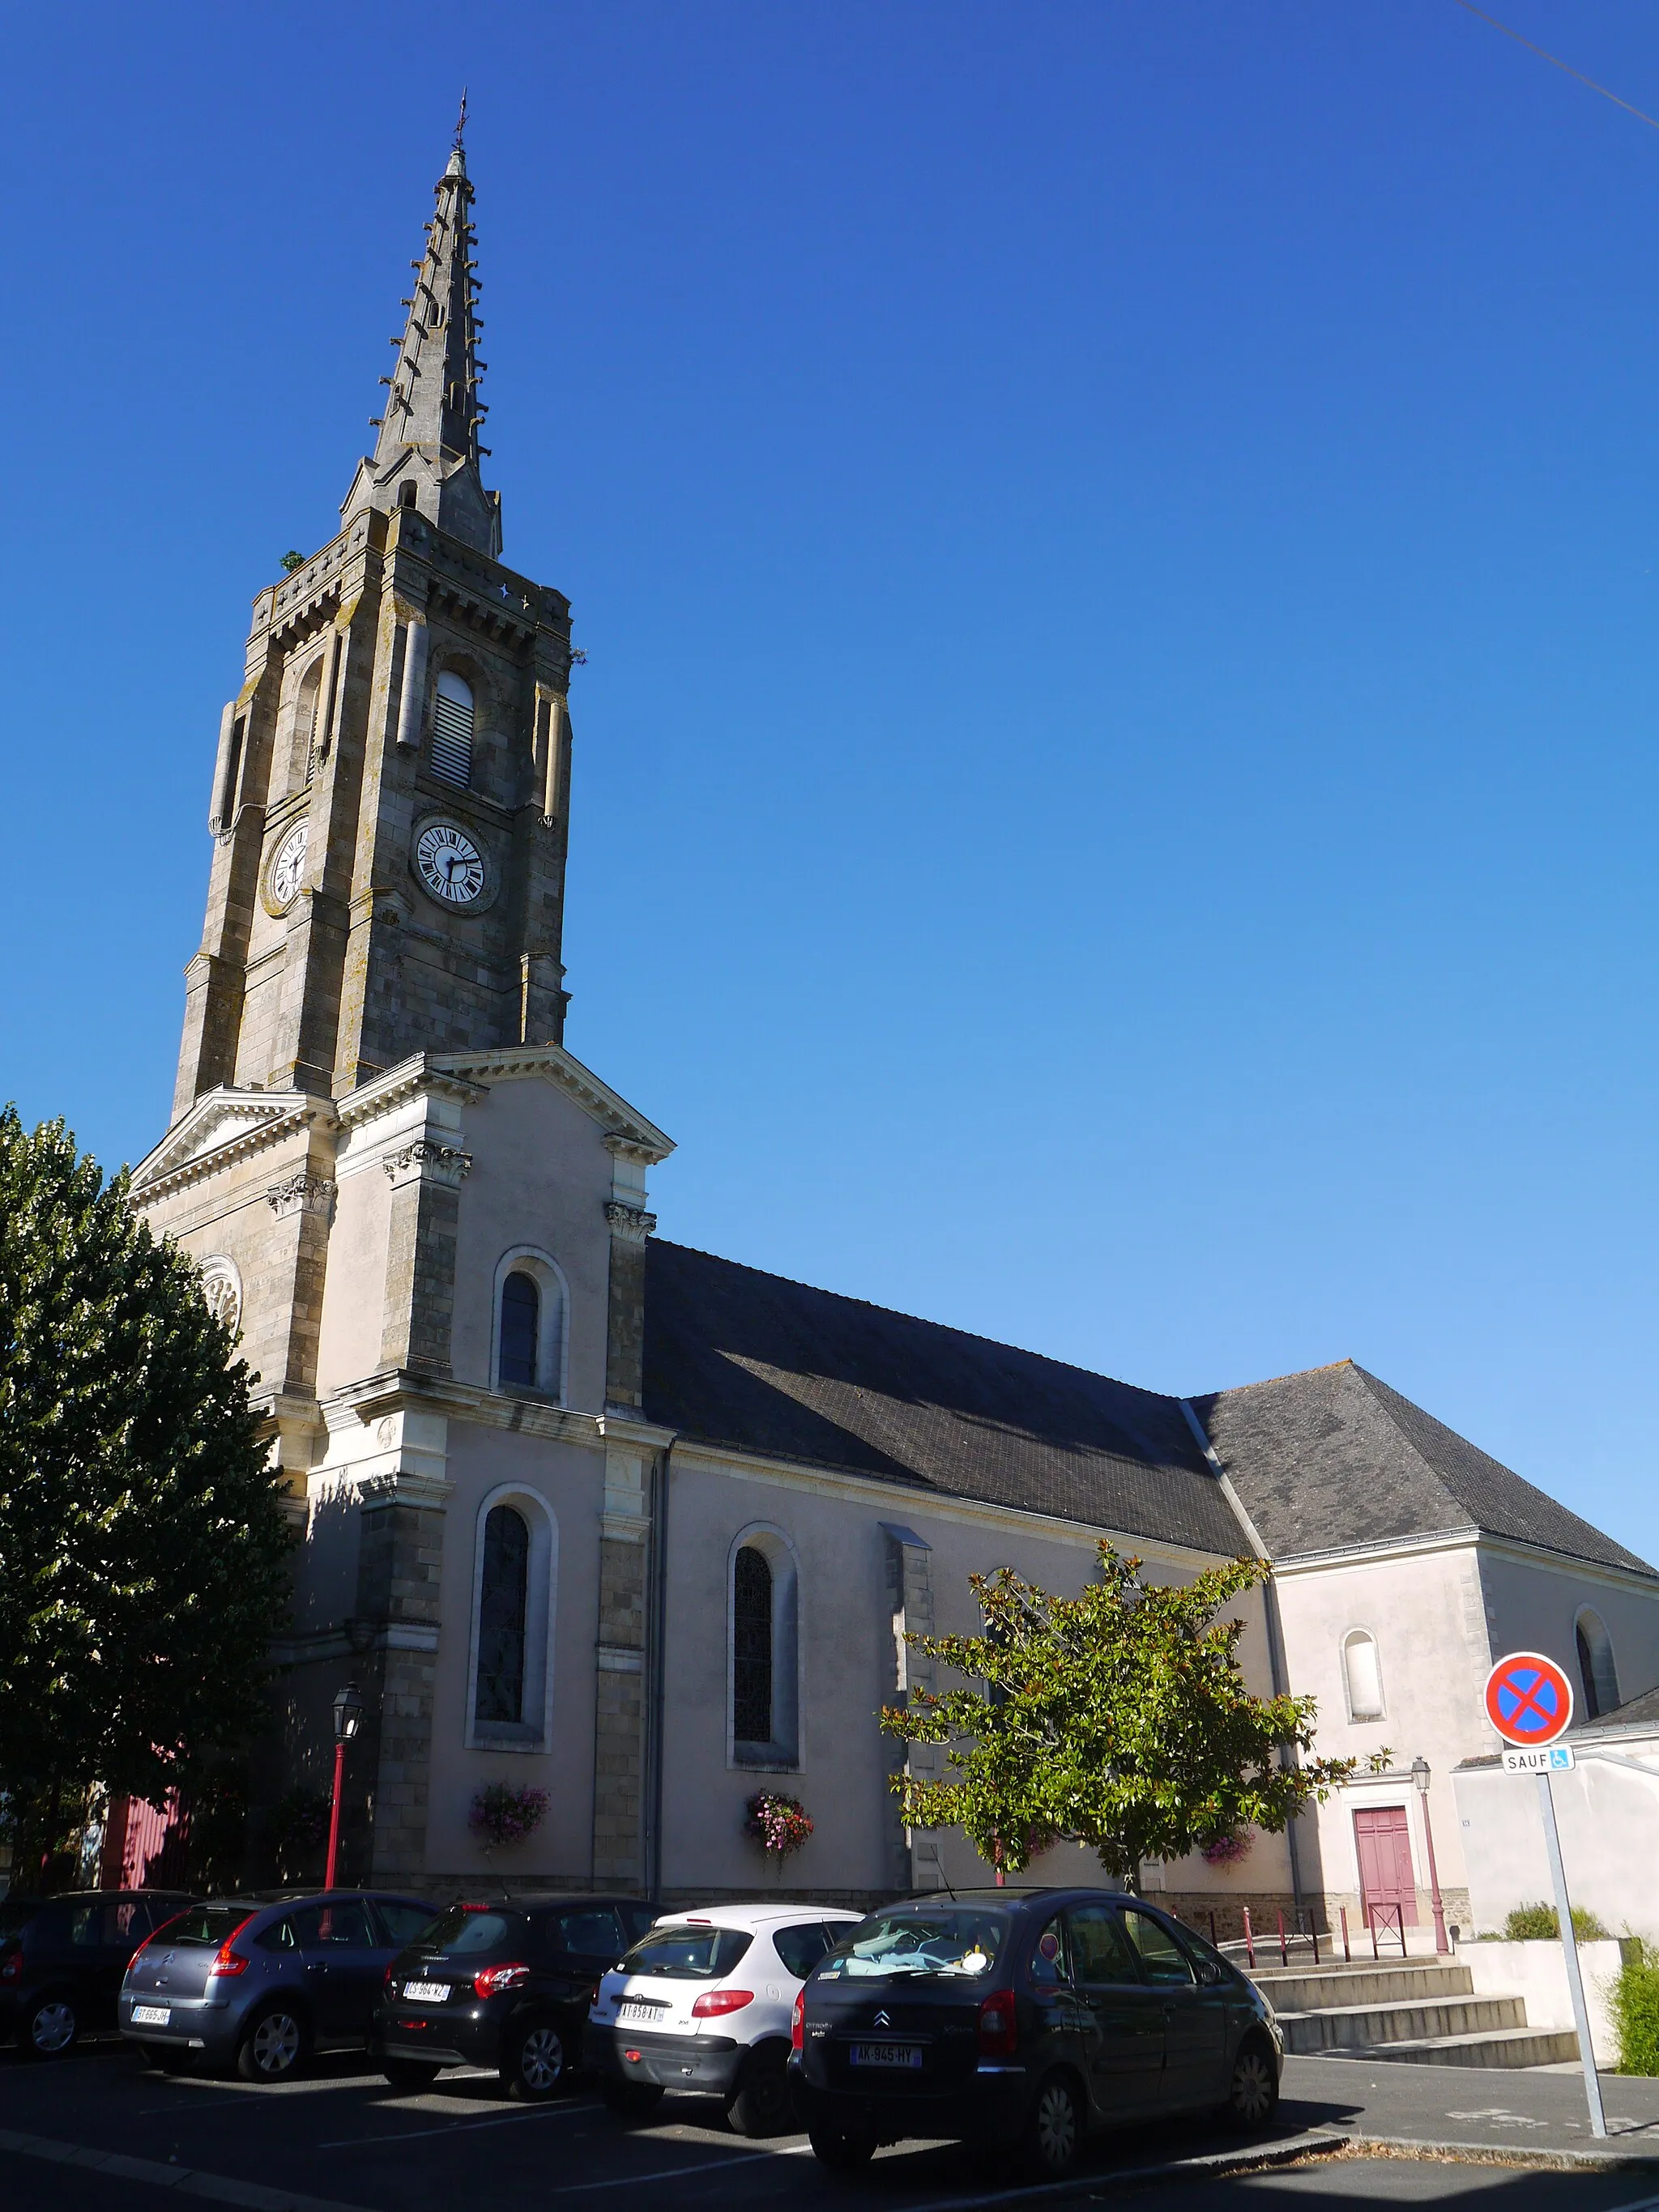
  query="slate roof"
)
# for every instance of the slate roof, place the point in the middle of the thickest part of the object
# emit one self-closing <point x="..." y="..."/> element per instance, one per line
<point x="737" y="1357"/>
<point x="1333" y="1457"/>
<point x="1636" y="1713"/>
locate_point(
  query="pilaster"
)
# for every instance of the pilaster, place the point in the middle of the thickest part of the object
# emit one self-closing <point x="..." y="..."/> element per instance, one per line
<point x="426" y="1177"/>
<point x="909" y="1563"/>
<point x="619" y="1715"/>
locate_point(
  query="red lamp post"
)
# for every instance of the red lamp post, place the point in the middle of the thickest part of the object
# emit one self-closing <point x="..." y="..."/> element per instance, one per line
<point x="1420" y="1777"/>
<point x="348" y="1719"/>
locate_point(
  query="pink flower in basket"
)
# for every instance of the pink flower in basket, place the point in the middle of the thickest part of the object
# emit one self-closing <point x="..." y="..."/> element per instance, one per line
<point x="778" y="1824"/>
<point x="1226" y="1850"/>
<point x="501" y="1814"/>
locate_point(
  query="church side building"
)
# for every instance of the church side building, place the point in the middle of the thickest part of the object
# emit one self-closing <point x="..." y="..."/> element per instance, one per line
<point x="589" y="1512"/>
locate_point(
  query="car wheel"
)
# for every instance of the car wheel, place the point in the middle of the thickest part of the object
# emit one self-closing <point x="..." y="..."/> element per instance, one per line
<point x="409" y="2075"/>
<point x="1053" y="2130"/>
<point x="164" y="2058"/>
<point x="274" y="2047"/>
<point x="1253" y="2092"/>
<point x="535" y="2063"/>
<point x="631" y="2100"/>
<point x="762" y="2105"/>
<point x="50" y="2030"/>
<point x="843" y="2150"/>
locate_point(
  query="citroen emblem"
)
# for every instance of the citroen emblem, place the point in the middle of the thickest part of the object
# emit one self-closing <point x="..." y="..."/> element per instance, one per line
<point x="882" y="2020"/>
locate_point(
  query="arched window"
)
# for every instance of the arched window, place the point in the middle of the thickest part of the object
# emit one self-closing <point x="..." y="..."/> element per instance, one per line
<point x="406" y="494"/>
<point x="302" y="740"/>
<point x="1362" y="1675"/>
<point x="521" y="1310"/>
<point x="451" y="730"/>
<point x="529" y="1350"/>
<point x="503" y="1608"/>
<point x="751" y="1648"/>
<point x="1596" y="1670"/>
<point x="763" y="1649"/>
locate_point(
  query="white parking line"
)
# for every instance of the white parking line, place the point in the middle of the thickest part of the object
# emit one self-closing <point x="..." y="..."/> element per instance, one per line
<point x="457" y="2127"/>
<point x="677" y="2172"/>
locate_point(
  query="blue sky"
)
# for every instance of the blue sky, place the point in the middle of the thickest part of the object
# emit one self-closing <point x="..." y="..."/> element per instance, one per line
<point x="1118" y="546"/>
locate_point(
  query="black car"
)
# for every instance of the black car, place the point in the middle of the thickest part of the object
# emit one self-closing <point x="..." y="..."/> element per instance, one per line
<point x="505" y="1984"/>
<point x="61" y="1959"/>
<point x="1025" y="2019"/>
<point x="259" y="1984"/>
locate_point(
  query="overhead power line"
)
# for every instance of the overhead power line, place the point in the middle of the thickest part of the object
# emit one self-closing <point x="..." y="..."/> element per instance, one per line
<point x="1555" y="61"/>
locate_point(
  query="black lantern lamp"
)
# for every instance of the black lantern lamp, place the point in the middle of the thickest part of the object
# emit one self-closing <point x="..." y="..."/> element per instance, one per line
<point x="349" y="1714"/>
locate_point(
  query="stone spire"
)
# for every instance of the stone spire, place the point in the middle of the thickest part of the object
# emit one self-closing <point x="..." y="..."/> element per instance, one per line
<point x="427" y="452"/>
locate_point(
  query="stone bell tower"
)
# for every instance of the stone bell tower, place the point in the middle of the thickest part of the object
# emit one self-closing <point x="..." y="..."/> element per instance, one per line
<point x="389" y="801"/>
<point x="376" y="1125"/>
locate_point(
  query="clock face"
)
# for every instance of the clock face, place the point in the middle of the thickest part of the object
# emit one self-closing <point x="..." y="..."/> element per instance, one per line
<point x="450" y="864"/>
<point x="289" y="865"/>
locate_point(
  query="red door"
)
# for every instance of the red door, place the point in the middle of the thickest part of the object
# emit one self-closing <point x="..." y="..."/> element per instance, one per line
<point x="1384" y="1845"/>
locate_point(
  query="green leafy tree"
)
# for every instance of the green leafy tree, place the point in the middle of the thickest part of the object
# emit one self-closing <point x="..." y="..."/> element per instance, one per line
<point x="143" y="1550"/>
<point x="1119" y="1719"/>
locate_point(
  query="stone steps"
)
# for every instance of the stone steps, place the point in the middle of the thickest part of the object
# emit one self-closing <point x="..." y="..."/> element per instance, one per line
<point x="1364" y="2027"/>
<point x="1316" y="1989"/>
<point x="1503" y="2046"/>
<point x="1422" y="2013"/>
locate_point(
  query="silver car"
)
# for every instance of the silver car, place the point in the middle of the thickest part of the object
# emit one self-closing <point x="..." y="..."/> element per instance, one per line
<point x="261" y="1985"/>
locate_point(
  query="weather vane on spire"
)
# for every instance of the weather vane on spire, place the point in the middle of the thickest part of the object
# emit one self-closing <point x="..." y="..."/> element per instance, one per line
<point x="460" y="123"/>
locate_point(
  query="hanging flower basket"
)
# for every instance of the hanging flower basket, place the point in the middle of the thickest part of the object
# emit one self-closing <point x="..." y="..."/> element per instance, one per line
<point x="501" y="1815"/>
<point x="779" y="1824"/>
<point x="1226" y="1850"/>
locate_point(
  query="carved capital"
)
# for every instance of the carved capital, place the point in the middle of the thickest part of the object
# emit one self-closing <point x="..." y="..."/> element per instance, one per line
<point x="423" y="1159"/>
<point x="301" y="1192"/>
<point x="629" y="1224"/>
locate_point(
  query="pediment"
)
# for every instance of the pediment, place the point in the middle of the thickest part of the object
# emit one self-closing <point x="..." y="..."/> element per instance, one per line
<point x="222" y="1124"/>
<point x="472" y="1073"/>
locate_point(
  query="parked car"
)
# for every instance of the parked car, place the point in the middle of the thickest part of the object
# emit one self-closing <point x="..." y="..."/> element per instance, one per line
<point x="703" y="2002"/>
<point x="502" y="1983"/>
<point x="260" y="1985"/>
<point x="61" y="1959"/>
<point x="1025" y="2019"/>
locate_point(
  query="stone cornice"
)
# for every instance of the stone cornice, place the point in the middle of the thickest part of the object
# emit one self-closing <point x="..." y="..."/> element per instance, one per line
<point x="188" y="1152"/>
<point x="371" y="1101"/>
<point x="395" y="1388"/>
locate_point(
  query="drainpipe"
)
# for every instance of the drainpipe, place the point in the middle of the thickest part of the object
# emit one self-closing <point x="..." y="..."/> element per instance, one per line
<point x="1276" y="1671"/>
<point x="658" y="1679"/>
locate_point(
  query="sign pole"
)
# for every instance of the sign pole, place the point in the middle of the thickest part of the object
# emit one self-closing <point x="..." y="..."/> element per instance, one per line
<point x="1569" y="1953"/>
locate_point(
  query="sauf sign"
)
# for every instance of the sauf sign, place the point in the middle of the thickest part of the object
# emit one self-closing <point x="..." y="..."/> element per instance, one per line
<point x="1528" y="1700"/>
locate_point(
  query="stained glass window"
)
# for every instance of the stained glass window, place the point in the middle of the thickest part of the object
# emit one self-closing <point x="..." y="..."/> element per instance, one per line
<point x="501" y="1616"/>
<point x="751" y="1648"/>
<point x="521" y="1307"/>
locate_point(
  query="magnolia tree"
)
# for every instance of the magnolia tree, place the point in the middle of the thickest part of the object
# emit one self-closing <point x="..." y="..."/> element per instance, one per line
<point x="1118" y="1719"/>
<point x="143" y="1551"/>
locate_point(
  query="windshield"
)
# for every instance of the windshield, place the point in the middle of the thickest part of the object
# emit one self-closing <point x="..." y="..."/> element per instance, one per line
<point x="460" y="1932"/>
<point x="688" y="1954"/>
<point x="948" y="1940"/>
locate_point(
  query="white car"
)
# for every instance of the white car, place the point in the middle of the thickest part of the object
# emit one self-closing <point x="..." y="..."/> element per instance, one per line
<point x="703" y="2003"/>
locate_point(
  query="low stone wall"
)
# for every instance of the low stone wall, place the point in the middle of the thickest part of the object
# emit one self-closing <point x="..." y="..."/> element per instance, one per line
<point x="1537" y="1972"/>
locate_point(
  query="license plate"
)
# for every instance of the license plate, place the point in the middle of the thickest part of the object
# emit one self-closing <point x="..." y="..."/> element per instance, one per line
<point x="886" y="2054"/>
<point x="643" y="2015"/>
<point x="151" y="2015"/>
<point x="426" y="1992"/>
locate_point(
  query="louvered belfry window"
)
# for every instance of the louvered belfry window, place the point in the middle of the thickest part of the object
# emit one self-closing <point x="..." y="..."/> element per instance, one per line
<point x="451" y="730"/>
<point x="501" y="1611"/>
<point x="751" y="1648"/>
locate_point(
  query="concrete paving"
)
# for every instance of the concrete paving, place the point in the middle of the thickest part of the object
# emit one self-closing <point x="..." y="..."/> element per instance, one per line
<point x="98" y="2133"/>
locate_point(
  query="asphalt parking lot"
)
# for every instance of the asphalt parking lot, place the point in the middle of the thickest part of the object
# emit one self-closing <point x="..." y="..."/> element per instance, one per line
<point x="341" y="2138"/>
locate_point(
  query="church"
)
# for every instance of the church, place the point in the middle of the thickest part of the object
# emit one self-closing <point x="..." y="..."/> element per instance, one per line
<point x="587" y="1512"/>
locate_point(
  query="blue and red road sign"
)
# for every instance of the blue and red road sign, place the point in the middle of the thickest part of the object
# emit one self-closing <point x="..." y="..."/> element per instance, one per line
<point x="1528" y="1699"/>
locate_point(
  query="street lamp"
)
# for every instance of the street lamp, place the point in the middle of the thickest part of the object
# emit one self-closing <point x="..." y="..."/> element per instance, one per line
<point x="348" y="1719"/>
<point x="1420" y="1777"/>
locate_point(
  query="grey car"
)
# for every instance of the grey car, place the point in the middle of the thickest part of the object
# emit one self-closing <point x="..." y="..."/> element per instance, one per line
<point x="260" y="1985"/>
